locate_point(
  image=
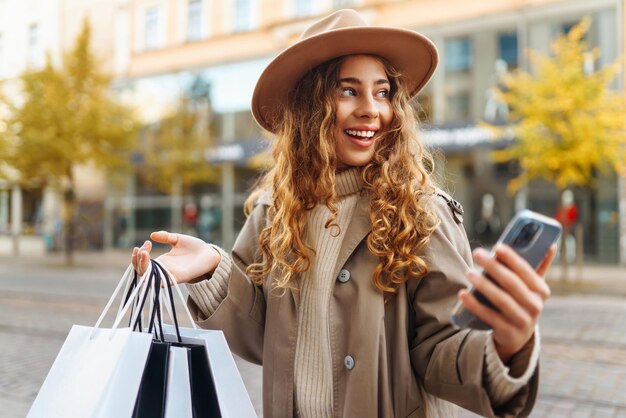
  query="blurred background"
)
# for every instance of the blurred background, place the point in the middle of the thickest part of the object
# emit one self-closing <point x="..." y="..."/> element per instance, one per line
<point x="186" y="150"/>
<point x="121" y="117"/>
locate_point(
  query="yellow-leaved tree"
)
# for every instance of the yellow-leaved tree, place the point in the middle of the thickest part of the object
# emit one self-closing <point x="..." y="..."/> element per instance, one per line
<point x="568" y="121"/>
<point x="175" y="148"/>
<point x="67" y="116"/>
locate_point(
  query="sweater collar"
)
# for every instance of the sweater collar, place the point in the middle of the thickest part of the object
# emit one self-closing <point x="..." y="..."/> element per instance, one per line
<point x="348" y="181"/>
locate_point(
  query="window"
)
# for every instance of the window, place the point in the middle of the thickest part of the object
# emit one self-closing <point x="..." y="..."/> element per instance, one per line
<point x="566" y="27"/>
<point x="243" y="16"/>
<point x="507" y="49"/>
<point x="194" y="20"/>
<point x="458" y="107"/>
<point x="458" y="55"/>
<point x="152" y="28"/>
<point x="35" y="50"/>
<point x="343" y="4"/>
<point x="304" y="7"/>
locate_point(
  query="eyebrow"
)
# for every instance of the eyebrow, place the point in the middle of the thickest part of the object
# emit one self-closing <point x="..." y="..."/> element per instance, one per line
<point x="354" y="80"/>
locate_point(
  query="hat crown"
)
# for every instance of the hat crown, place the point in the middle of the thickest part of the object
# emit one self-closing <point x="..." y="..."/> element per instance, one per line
<point x="345" y="18"/>
<point x="341" y="33"/>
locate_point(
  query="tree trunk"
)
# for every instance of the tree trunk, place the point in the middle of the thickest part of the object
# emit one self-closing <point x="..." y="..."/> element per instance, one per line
<point x="69" y="203"/>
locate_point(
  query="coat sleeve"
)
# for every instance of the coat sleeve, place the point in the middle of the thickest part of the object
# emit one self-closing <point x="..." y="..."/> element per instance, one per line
<point x="241" y="314"/>
<point x="451" y="362"/>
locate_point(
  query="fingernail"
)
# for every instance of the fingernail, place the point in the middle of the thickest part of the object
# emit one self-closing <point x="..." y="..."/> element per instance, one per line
<point x="501" y="248"/>
<point x="480" y="253"/>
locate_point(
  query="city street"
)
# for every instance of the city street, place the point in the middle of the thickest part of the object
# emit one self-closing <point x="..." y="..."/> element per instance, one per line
<point x="583" y="337"/>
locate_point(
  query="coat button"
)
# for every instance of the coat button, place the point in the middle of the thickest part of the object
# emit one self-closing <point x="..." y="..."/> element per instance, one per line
<point x="344" y="276"/>
<point x="348" y="361"/>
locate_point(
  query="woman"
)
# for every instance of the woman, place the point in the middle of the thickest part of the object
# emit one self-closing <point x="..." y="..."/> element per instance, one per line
<point x="342" y="280"/>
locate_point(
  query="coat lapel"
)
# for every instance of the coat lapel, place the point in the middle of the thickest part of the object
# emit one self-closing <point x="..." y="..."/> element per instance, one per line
<point x="358" y="229"/>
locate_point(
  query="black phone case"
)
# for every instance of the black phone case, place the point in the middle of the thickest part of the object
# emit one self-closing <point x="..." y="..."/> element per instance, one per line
<point x="547" y="233"/>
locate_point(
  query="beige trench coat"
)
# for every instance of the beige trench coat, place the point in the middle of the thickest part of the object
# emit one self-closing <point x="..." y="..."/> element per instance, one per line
<point x="388" y="359"/>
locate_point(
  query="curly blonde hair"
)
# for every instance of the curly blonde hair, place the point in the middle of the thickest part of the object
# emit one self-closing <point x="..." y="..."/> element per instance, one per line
<point x="398" y="179"/>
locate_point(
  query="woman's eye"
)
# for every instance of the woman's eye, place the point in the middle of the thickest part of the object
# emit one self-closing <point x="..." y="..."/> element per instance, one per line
<point x="383" y="93"/>
<point x="347" y="92"/>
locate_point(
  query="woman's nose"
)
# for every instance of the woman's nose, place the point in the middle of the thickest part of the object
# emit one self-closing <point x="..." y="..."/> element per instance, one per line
<point x="368" y="107"/>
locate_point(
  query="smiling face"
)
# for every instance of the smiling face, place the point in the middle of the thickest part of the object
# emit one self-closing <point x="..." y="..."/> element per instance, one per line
<point x="363" y="109"/>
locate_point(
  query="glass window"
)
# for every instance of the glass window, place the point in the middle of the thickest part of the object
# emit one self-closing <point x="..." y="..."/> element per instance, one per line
<point x="194" y="20"/>
<point x="35" y="51"/>
<point x="152" y="27"/>
<point x="458" y="55"/>
<point x="243" y="15"/>
<point x="566" y="27"/>
<point x="507" y="49"/>
<point x="458" y="107"/>
<point x="342" y="4"/>
<point x="245" y="126"/>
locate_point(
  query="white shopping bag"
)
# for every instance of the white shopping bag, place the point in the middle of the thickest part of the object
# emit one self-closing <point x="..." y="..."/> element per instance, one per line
<point x="232" y="395"/>
<point x="80" y="378"/>
<point x="178" y="394"/>
<point x="97" y="371"/>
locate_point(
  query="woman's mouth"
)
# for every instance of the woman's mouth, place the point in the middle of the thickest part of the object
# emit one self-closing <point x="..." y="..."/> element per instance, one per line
<point x="361" y="138"/>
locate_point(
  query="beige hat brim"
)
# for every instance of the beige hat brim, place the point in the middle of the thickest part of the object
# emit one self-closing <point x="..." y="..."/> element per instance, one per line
<point x="411" y="53"/>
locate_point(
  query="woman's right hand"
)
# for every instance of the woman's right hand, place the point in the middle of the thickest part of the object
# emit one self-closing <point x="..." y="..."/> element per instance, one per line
<point x="189" y="258"/>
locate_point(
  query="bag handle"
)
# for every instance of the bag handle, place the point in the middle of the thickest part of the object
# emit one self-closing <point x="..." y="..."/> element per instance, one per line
<point x="121" y="312"/>
<point x="158" y="279"/>
<point x="165" y="277"/>
<point x="176" y="287"/>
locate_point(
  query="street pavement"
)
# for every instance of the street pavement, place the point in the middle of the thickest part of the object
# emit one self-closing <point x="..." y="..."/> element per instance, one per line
<point x="583" y="364"/>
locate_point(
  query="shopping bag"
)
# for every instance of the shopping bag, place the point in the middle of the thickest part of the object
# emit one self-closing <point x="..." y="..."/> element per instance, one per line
<point x="96" y="373"/>
<point x="221" y="391"/>
<point x="203" y="394"/>
<point x="152" y="391"/>
<point x="216" y="387"/>
<point x="178" y="396"/>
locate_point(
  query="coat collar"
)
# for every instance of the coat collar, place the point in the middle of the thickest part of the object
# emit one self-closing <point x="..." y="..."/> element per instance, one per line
<point x="358" y="228"/>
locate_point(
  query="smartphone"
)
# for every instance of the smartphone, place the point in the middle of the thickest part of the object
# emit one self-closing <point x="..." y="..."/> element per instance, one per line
<point x="530" y="235"/>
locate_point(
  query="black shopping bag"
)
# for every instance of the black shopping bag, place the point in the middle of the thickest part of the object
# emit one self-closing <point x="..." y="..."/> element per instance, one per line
<point x="154" y="399"/>
<point x="203" y="395"/>
<point x="151" y="397"/>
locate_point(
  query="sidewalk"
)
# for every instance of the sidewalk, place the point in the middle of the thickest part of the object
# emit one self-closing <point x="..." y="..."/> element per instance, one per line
<point x="114" y="258"/>
<point x="583" y="339"/>
<point x="590" y="279"/>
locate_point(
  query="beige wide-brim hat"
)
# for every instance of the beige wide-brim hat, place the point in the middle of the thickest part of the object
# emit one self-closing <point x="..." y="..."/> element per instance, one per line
<point x="343" y="32"/>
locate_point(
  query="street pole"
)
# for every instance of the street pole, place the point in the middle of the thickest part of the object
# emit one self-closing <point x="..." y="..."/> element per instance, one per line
<point x="16" y="217"/>
<point x="177" y="203"/>
<point x="228" y="204"/>
<point x="621" y="196"/>
<point x="108" y="217"/>
<point x="4" y="210"/>
<point x="228" y="186"/>
<point x="131" y="228"/>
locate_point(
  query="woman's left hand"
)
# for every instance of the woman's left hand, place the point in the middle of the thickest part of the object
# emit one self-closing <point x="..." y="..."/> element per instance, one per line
<point x="520" y="297"/>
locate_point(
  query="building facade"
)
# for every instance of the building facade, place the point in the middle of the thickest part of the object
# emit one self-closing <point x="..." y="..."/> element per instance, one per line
<point x="160" y="47"/>
<point x="229" y="42"/>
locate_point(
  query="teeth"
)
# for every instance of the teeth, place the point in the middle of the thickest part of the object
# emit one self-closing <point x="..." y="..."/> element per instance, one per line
<point x="363" y="134"/>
